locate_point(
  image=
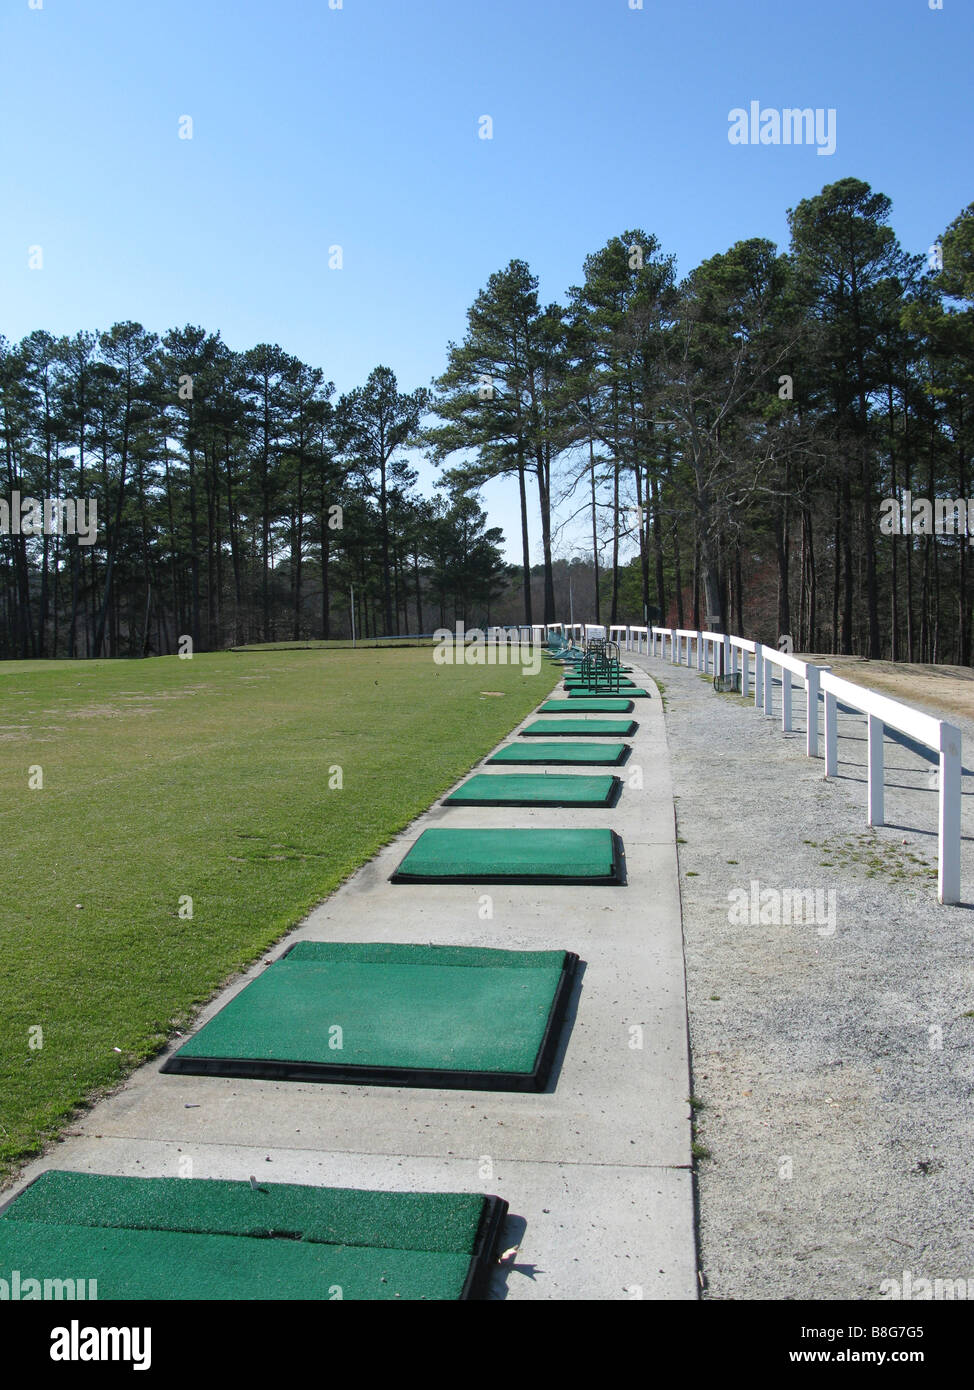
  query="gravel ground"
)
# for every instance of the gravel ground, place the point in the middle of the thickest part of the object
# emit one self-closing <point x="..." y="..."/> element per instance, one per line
<point x="833" y="1060"/>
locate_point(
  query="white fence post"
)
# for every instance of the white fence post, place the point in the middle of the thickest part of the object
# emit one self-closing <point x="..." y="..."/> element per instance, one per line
<point x="758" y="675"/>
<point x="786" y="725"/>
<point x="768" y="687"/>
<point x="812" y="685"/>
<point x="831" y="735"/>
<point x="745" y="672"/>
<point x="951" y="772"/>
<point x="874" y="737"/>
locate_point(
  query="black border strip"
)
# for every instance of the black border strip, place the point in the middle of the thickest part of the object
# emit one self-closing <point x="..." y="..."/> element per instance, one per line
<point x="268" y="1069"/>
<point x="484" y="1257"/>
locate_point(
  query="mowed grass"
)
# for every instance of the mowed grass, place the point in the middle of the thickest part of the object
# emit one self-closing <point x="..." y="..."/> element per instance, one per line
<point x="205" y="779"/>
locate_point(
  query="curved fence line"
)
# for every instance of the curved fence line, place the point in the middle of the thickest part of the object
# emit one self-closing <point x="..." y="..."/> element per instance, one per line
<point x="727" y="655"/>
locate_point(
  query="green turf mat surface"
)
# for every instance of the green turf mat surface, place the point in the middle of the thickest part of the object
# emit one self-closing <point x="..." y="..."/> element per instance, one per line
<point x="514" y="856"/>
<point x="534" y="789"/>
<point x="175" y="1238"/>
<point x="625" y="692"/>
<point x="571" y="683"/>
<point x="589" y="728"/>
<point x="586" y="706"/>
<point x="408" y="1015"/>
<point x="557" y="754"/>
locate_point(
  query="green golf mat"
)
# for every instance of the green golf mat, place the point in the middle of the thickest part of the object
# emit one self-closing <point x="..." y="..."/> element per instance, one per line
<point x="400" y="1016"/>
<point x="624" y="692"/>
<point x="512" y="856"/>
<point x="575" y="705"/>
<point x="563" y="754"/>
<point x="535" y="789"/>
<point x="197" y="1238"/>
<point x="590" y="728"/>
<point x="623" y="685"/>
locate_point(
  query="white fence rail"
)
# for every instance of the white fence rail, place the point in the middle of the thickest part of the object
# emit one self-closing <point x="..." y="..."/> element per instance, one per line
<point x="717" y="651"/>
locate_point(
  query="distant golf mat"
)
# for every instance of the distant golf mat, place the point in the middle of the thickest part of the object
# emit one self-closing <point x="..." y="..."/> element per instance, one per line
<point x="562" y="754"/>
<point x="590" y="728"/>
<point x="512" y="856"/>
<point x="535" y="789"/>
<point x="576" y="705"/>
<point x="404" y="1015"/>
<point x="571" y="683"/>
<point x="624" y="692"/>
<point x="196" y="1238"/>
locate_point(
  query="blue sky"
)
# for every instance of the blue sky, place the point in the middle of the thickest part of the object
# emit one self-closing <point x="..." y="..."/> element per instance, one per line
<point x="358" y="127"/>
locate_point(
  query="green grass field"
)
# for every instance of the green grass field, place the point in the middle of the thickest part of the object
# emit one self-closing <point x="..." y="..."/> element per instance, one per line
<point x="167" y="779"/>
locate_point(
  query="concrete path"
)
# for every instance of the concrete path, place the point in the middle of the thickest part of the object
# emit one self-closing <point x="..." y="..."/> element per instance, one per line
<point x="597" y="1170"/>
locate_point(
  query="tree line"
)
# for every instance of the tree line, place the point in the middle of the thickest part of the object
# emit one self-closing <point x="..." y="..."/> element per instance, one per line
<point x="739" y="431"/>
<point x="743" y="427"/>
<point x="237" y="501"/>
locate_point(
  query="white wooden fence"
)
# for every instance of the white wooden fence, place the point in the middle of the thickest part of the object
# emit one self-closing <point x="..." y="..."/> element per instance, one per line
<point x="719" y="652"/>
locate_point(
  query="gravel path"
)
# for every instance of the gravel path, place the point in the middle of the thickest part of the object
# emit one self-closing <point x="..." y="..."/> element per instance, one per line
<point x="833" y="1060"/>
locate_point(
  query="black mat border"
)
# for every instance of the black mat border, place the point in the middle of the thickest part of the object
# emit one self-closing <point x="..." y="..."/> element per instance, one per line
<point x="606" y="804"/>
<point x="615" y="879"/>
<point x="476" y="1286"/>
<point x="426" y="1078"/>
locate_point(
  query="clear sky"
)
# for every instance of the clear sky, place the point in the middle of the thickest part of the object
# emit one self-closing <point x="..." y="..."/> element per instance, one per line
<point x="358" y="126"/>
